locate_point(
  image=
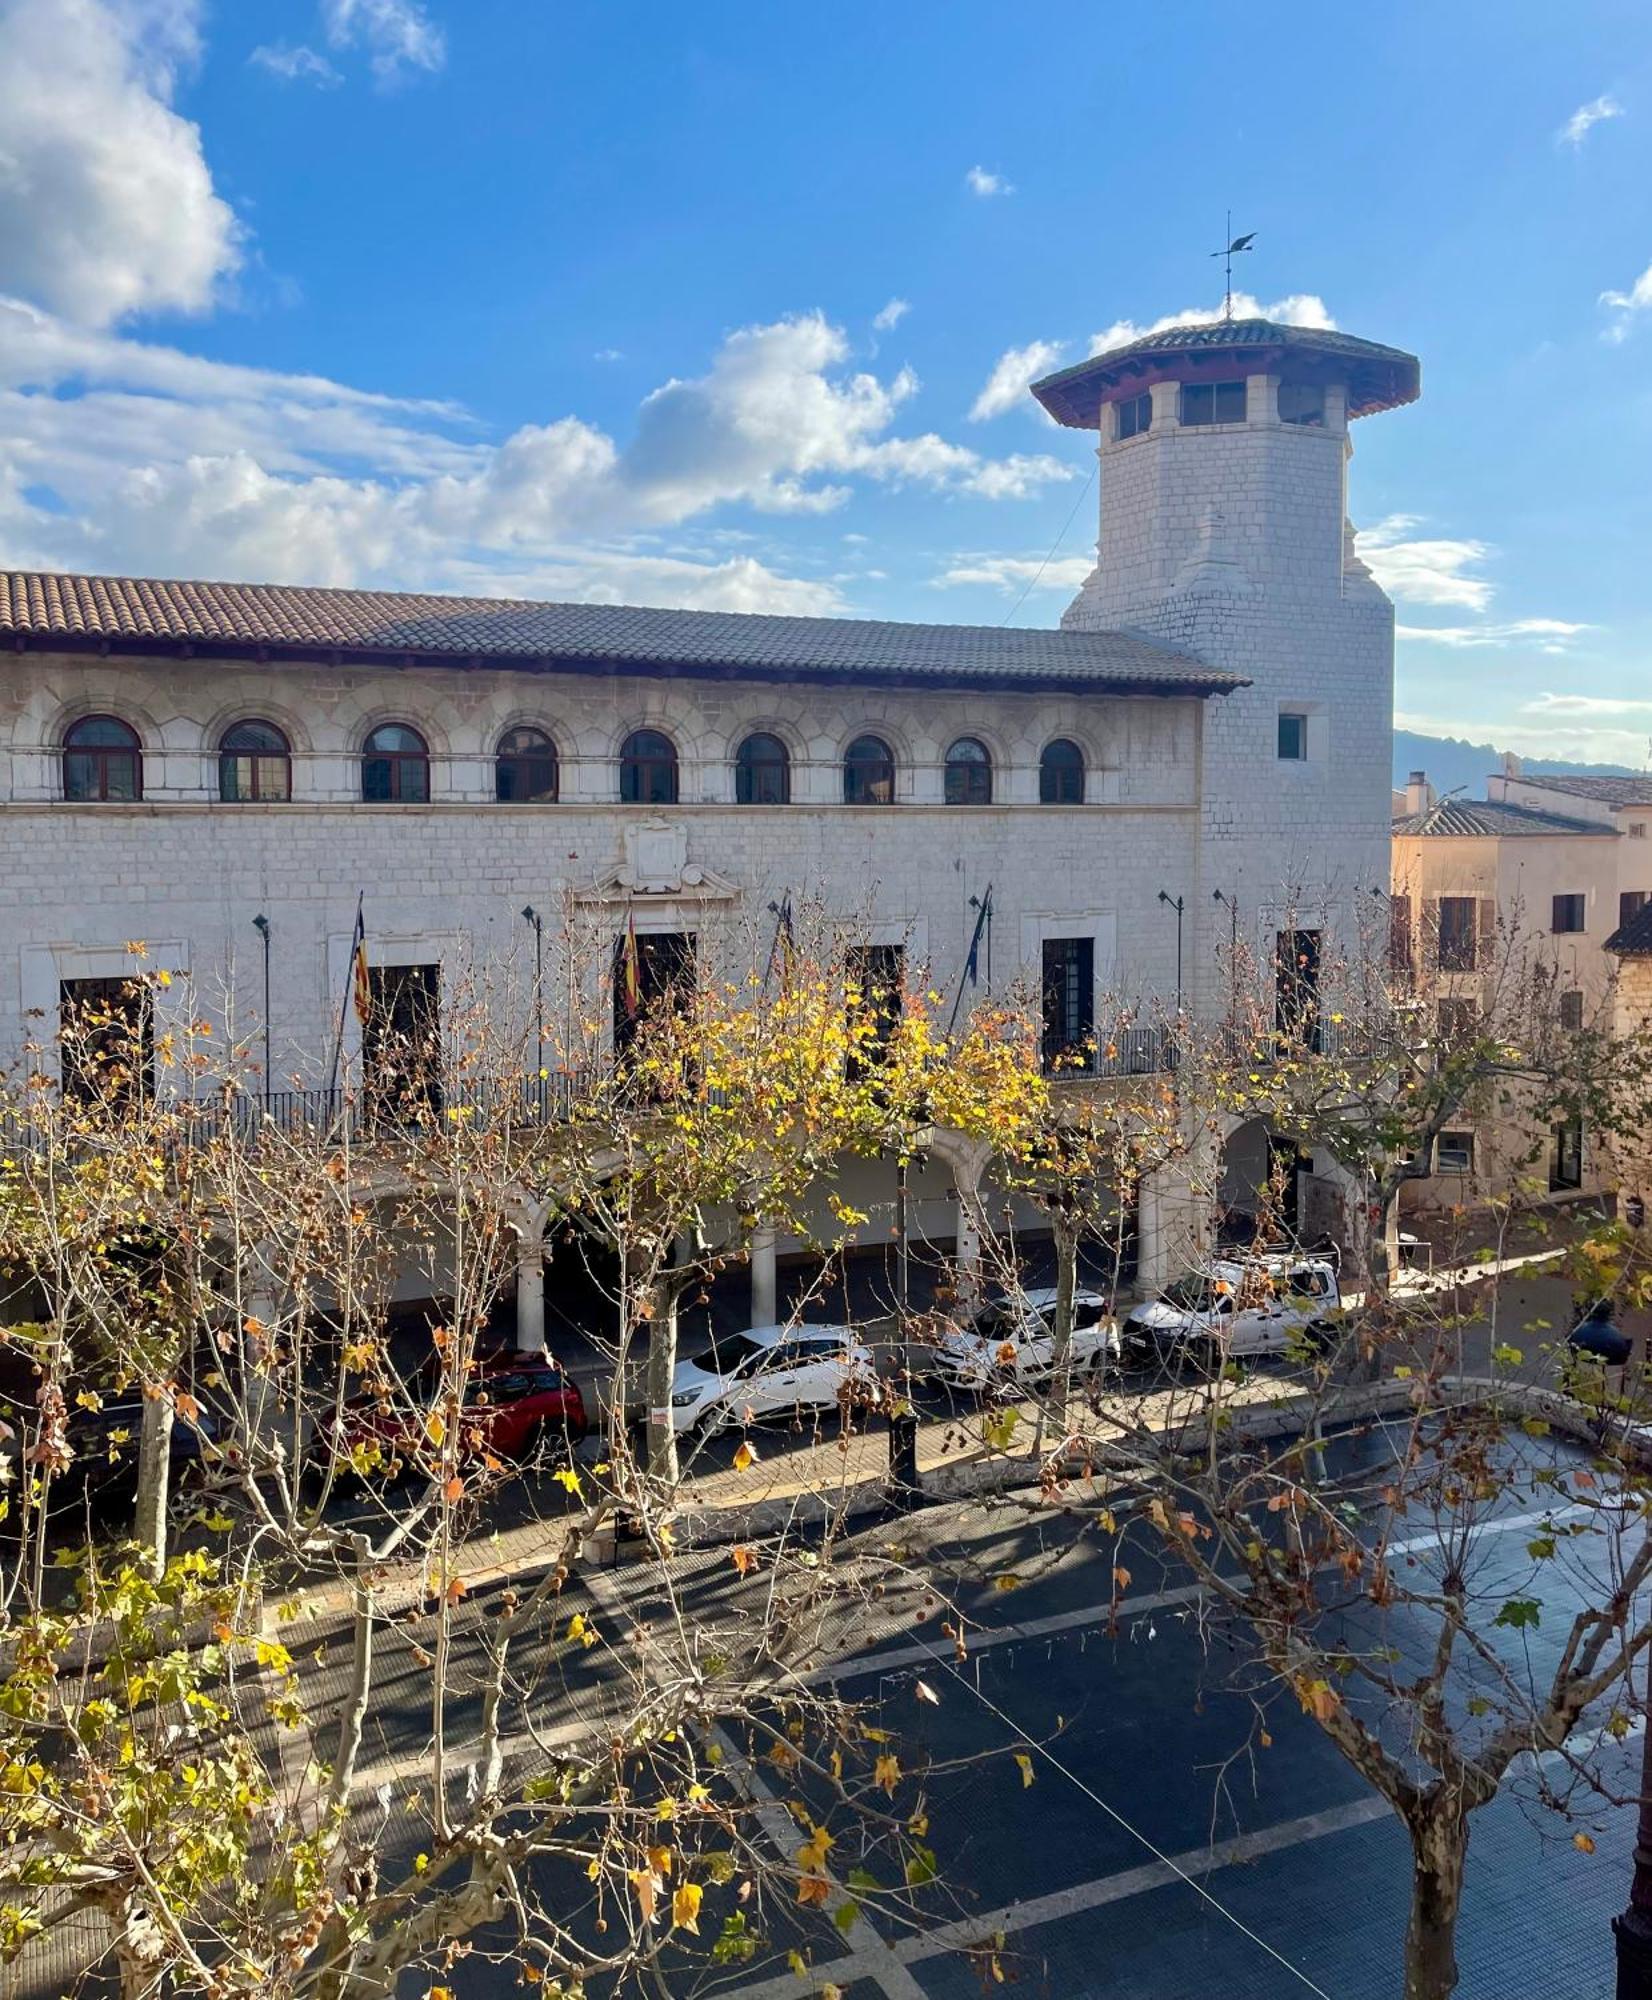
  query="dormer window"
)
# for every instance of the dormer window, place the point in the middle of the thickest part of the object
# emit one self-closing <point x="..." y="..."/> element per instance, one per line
<point x="1133" y="416"/>
<point x="1213" y="403"/>
<point x="1302" y="403"/>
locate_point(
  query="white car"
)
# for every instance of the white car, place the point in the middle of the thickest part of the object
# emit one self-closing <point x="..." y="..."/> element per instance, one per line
<point x="1229" y="1310"/>
<point x="769" y="1372"/>
<point x="1012" y="1341"/>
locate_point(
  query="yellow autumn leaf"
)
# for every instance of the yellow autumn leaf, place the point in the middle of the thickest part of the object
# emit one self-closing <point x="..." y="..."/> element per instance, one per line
<point x="744" y="1458"/>
<point x="685" y="1907"/>
<point x="886" y="1773"/>
<point x="1583" y="1843"/>
<point x="434" y="1427"/>
<point x="580" y="1628"/>
<point x="1025" y="1765"/>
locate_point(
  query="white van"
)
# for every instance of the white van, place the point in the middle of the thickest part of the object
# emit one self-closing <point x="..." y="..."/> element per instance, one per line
<point x="1232" y="1310"/>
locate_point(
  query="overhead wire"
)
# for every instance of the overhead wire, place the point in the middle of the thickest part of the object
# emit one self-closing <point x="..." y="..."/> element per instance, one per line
<point x="1032" y="584"/>
<point x="1114" y="1814"/>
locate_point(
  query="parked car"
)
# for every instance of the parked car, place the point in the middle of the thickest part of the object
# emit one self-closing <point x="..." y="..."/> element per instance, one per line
<point x="769" y="1372"/>
<point x="1227" y="1310"/>
<point x="104" y="1442"/>
<point x="1011" y="1341"/>
<point x="515" y="1406"/>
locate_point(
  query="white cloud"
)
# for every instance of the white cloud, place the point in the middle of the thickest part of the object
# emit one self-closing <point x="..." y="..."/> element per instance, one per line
<point x="608" y="354"/>
<point x="1006" y="387"/>
<point x="295" y="64"/>
<point x="165" y="462"/>
<point x="1549" y="635"/>
<point x="1418" y="570"/>
<point x="981" y="182"/>
<point x="1625" y="306"/>
<point x="1586" y="117"/>
<point x="1295" y="309"/>
<point x="1584" y="740"/>
<point x="891" y="315"/>
<point x="1586" y="704"/>
<point x="398" y="35"/>
<point x="1013" y="574"/>
<point x="107" y="206"/>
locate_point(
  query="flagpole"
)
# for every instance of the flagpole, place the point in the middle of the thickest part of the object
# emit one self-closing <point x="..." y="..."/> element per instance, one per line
<point x="356" y="934"/>
<point x="972" y="959"/>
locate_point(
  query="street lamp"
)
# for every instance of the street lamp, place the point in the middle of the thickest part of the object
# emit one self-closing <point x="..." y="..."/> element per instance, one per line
<point x="1176" y="903"/>
<point x="538" y="922"/>
<point x="261" y="924"/>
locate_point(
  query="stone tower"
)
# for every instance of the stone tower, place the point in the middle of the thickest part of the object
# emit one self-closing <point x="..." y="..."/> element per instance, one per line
<point x="1224" y="532"/>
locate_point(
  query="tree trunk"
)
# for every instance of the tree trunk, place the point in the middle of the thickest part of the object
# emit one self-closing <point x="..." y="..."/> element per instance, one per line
<point x="662" y="1365"/>
<point x="154" y="1476"/>
<point x="1439" y="1847"/>
<point x="1054" y="1407"/>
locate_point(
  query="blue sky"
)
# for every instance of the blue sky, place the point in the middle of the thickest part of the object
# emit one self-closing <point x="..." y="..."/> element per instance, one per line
<point x="731" y="305"/>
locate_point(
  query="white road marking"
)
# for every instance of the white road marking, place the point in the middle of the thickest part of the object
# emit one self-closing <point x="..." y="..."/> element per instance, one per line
<point x="919" y="1654"/>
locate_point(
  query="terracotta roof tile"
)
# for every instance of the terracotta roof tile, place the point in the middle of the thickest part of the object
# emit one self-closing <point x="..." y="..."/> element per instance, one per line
<point x="41" y="608"/>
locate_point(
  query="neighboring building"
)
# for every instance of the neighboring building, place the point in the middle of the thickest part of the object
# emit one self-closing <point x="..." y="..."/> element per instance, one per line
<point x="1631" y="946"/>
<point x="1214" y="715"/>
<point x="1481" y="890"/>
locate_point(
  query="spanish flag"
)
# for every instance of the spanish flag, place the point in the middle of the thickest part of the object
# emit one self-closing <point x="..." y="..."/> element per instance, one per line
<point x="362" y="985"/>
<point x="630" y="972"/>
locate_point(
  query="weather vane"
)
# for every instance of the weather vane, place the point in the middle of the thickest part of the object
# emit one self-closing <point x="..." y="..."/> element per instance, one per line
<point x="1235" y="245"/>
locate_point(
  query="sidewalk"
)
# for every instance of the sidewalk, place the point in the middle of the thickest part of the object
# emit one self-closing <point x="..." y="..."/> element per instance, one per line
<point x="839" y="1478"/>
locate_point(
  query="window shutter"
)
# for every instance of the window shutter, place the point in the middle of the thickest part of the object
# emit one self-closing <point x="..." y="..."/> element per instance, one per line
<point x="1485" y="942"/>
<point x="1431" y="944"/>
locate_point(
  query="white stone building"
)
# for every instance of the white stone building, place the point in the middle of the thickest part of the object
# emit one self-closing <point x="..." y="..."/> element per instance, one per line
<point x="178" y="760"/>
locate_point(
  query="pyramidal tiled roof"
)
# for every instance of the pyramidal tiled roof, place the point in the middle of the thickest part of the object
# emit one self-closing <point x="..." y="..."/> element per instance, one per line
<point x="1492" y="819"/>
<point x="142" y="614"/>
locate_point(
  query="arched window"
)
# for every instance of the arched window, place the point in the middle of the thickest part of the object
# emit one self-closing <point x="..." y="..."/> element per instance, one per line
<point x="102" y="759"/>
<point x="254" y="764"/>
<point x="1061" y="774"/>
<point x="969" y="773"/>
<point x="762" y="772"/>
<point x="868" y="773"/>
<point x="648" y="769"/>
<point x="395" y="766"/>
<point x="524" y="770"/>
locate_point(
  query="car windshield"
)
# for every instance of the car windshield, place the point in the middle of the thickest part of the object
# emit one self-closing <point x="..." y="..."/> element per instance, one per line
<point x="738" y="1356"/>
<point x="1189" y="1294"/>
<point x="998" y="1321"/>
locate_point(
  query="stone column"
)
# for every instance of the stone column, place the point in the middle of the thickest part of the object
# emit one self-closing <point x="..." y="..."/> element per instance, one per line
<point x="530" y="1294"/>
<point x="1175" y="1206"/>
<point x="765" y="1281"/>
<point x="966" y="1213"/>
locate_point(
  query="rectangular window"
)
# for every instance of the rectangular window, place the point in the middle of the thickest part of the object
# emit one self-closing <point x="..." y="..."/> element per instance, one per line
<point x="1455" y="1020"/>
<point x="1069" y="1003"/>
<point x="1296" y="986"/>
<point x="401" y="1041"/>
<point x="1637" y="829"/>
<point x="1293" y="736"/>
<point x="1399" y="934"/>
<point x="1566" y="1155"/>
<point x="1459" y="917"/>
<point x="875" y="975"/>
<point x="1454" y="1153"/>
<point x="1571" y="1011"/>
<point x="1135" y="415"/>
<point x="1301" y="403"/>
<point x="1568" y="915"/>
<point x="652" y="970"/>
<point x="107" y="1029"/>
<point x="1213" y="402"/>
<point x="1630" y="904"/>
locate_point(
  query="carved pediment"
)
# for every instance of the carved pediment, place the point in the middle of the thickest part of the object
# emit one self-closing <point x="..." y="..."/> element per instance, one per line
<point x="654" y="862"/>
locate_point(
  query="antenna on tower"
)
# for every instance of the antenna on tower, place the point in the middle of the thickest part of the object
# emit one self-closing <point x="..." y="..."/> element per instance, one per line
<point x="1235" y="244"/>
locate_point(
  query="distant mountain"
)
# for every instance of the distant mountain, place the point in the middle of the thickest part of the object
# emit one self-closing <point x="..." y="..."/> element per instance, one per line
<point x="1453" y="764"/>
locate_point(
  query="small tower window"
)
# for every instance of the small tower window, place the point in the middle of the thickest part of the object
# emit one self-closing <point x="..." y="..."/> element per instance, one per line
<point x="1301" y="403"/>
<point x="1134" y="415"/>
<point x="1293" y="736"/>
<point x="1213" y="402"/>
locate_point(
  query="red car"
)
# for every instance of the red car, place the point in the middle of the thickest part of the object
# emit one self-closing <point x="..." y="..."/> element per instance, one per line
<point x="516" y="1406"/>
